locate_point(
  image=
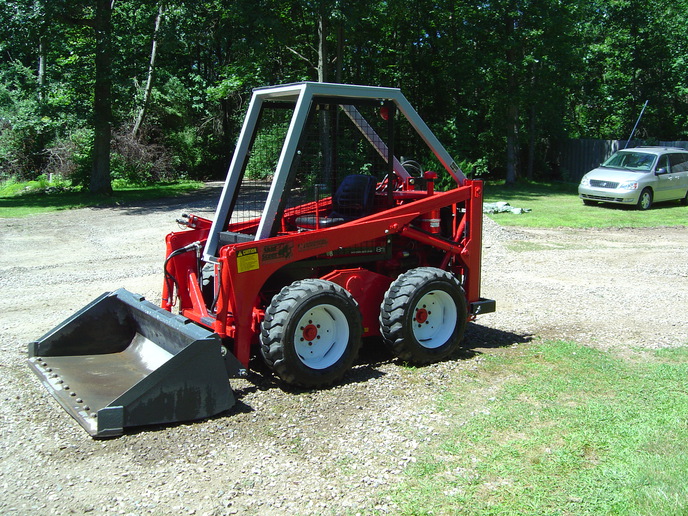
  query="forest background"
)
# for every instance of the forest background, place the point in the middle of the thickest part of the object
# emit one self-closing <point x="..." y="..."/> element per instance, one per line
<point x="96" y="90"/>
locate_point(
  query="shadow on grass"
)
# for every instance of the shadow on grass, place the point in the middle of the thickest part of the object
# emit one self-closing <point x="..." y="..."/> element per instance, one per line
<point x="61" y="201"/>
<point x="614" y="207"/>
<point x="527" y="191"/>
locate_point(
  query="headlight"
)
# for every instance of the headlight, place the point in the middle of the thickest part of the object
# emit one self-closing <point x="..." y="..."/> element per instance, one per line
<point x="629" y="185"/>
<point x="585" y="181"/>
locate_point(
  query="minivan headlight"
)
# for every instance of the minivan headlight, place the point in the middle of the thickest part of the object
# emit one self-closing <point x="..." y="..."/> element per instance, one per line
<point x="585" y="181"/>
<point x="629" y="185"/>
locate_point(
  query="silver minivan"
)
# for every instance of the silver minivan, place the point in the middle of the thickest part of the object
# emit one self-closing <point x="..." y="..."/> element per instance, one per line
<point x="639" y="176"/>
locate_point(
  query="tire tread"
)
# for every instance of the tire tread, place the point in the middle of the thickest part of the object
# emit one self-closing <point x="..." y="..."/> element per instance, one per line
<point x="276" y="319"/>
<point x="396" y="304"/>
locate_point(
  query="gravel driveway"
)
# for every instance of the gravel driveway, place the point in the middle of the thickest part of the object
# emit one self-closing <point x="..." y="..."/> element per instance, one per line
<point x="335" y="451"/>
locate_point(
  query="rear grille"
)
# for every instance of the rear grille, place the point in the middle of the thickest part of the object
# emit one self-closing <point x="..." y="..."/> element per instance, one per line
<point x="603" y="184"/>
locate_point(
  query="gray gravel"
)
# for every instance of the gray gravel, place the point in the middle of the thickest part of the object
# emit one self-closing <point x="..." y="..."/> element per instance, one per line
<point x="336" y="451"/>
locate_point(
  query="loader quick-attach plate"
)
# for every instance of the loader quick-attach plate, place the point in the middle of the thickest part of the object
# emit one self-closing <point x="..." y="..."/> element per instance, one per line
<point x="123" y="362"/>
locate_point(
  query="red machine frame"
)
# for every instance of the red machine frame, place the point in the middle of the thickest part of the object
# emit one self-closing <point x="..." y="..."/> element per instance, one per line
<point x="244" y="268"/>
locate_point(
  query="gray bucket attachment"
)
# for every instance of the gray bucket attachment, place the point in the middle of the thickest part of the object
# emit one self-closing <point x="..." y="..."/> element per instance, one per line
<point x="122" y="362"/>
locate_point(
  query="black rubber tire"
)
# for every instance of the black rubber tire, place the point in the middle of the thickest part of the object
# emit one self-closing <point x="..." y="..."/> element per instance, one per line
<point x="684" y="201"/>
<point x="408" y="326"/>
<point x="645" y="199"/>
<point x="314" y="301"/>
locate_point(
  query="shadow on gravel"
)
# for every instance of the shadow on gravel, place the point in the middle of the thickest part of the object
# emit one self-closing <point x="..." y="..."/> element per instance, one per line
<point x="204" y="199"/>
<point x="483" y="337"/>
<point x="374" y="354"/>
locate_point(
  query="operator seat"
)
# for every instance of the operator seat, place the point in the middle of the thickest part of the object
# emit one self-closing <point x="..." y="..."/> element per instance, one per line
<point x="353" y="199"/>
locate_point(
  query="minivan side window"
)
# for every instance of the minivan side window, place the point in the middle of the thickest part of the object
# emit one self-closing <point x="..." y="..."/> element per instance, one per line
<point x="679" y="162"/>
<point x="663" y="162"/>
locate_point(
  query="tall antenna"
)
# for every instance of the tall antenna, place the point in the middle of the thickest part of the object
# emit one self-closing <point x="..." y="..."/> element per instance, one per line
<point x="636" y="124"/>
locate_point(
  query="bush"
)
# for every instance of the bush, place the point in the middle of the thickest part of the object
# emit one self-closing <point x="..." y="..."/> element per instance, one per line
<point x="188" y="150"/>
<point x="43" y="184"/>
<point x="26" y="125"/>
<point x="137" y="161"/>
<point x="473" y="170"/>
<point x="70" y="157"/>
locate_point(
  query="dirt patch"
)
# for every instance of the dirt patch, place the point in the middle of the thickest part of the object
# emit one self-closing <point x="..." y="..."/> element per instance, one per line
<point x="334" y="451"/>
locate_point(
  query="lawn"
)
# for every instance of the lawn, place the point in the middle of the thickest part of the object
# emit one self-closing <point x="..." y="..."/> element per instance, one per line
<point x="558" y="428"/>
<point x="557" y="205"/>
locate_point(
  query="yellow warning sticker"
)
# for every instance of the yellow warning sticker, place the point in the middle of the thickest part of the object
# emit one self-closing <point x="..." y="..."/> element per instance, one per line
<point x="247" y="260"/>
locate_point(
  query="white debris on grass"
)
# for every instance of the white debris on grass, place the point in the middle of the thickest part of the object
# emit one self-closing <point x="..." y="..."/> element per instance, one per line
<point x="503" y="207"/>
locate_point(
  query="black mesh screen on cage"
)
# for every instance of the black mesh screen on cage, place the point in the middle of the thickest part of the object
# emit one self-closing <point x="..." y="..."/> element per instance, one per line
<point x="261" y="164"/>
<point x="339" y="142"/>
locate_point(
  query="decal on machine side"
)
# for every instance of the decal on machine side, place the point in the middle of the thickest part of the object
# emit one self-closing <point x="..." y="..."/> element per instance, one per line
<point x="313" y="244"/>
<point x="277" y="252"/>
<point x="247" y="260"/>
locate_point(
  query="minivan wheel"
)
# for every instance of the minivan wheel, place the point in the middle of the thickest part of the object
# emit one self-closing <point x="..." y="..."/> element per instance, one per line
<point x="645" y="199"/>
<point x="684" y="201"/>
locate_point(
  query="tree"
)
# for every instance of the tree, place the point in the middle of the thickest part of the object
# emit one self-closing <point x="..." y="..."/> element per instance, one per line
<point x="636" y="52"/>
<point x="101" y="24"/>
<point x="102" y="104"/>
<point x="151" y="72"/>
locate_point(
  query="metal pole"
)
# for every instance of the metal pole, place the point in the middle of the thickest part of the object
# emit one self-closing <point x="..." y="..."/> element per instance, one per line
<point x="636" y="124"/>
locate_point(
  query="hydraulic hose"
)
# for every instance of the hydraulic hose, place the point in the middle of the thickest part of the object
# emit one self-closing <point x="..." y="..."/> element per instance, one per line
<point x="171" y="280"/>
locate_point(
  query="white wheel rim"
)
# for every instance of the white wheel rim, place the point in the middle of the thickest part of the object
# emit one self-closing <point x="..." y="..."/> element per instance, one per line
<point x="321" y="336"/>
<point x="434" y="319"/>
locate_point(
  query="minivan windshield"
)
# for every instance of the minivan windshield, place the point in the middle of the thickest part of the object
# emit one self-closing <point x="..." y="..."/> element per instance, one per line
<point x="631" y="160"/>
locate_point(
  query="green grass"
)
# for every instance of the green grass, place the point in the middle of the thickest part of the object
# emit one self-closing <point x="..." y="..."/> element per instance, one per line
<point x="558" y="428"/>
<point x="22" y="199"/>
<point x="552" y="205"/>
<point x="557" y="205"/>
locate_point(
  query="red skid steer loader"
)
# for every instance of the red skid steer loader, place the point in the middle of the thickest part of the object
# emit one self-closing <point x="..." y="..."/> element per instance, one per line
<point x="331" y="226"/>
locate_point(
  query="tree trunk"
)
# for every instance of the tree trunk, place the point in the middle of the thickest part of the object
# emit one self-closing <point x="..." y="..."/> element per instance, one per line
<point x="512" y="104"/>
<point x="322" y="48"/>
<point x="340" y="52"/>
<point x="532" y="143"/>
<point x="325" y="136"/>
<point x="511" y="143"/>
<point x="41" y="69"/>
<point x="102" y="106"/>
<point x="151" y="72"/>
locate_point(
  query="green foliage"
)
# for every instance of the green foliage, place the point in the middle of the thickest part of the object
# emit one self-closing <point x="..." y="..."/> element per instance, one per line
<point x="633" y="54"/>
<point x="41" y="185"/>
<point x="472" y="170"/>
<point x="71" y="157"/>
<point x="23" y="129"/>
<point x="559" y="429"/>
<point x="188" y="151"/>
<point x="481" y="75"/>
